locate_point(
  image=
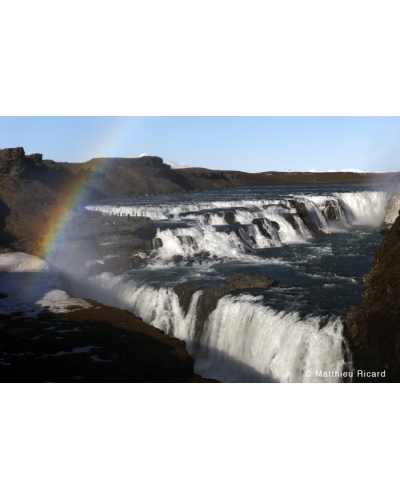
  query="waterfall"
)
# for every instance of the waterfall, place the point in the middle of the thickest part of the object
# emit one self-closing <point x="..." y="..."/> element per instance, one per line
<point x="233" y="229"/>
<point x="242" y="340"/>
<point x="245" y="338"/>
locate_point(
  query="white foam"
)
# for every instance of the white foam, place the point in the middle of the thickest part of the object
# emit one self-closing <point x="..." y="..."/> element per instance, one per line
<point x="201" y="231"/>
<point x="242" y="340"/>
<point x="364" y="208"/>
<point x="246" y="341"/>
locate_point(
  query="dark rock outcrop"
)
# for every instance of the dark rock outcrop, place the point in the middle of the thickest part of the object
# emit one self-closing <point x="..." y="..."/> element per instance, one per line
<point x="28" y="211"/>
<point x="185" y="293"/>
<point x="115" y="345"/>
<point x="373" y="328"/>
<point x="35" y="195"/>
<point x="333" y="210"/>
<point x="392" y="186"/>
<point x="242" y="281"/>
<point x="301" y="210"/>
<point x="92" y="243"/>
<point x="263" y="230"/>
<point x="292" y="221"/>
<point x="393" y="195"/>
<point x="209" y="298"/>
<point x="230" y="218"/>
<point x="13" y="161"/>
<point x="126" y="177"/>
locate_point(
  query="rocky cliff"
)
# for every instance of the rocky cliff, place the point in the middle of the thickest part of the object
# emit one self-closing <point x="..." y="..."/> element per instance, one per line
<point x="393" y="207"/>
<point x="36" y="194"/>
<point x="125" y="177"/>
<point x="373" y="328"/>
<point x="14" y="162"/>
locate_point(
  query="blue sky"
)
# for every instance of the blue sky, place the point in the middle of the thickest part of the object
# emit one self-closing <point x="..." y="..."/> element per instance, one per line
<point x="252" y="144"/>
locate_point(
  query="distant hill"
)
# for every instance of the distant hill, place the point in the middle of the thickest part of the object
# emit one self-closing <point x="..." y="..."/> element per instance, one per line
<point x="34" y="192"/>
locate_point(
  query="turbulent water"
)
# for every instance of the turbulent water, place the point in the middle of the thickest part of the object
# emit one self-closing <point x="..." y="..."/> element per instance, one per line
<point x="281" y="334"/>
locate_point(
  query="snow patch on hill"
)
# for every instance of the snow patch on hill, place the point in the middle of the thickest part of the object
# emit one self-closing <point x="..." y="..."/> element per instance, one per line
<point x="175" y="164"/>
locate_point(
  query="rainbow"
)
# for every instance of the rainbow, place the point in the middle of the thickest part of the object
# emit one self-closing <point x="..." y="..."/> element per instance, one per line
<point x="59" y="218"/>
<point x="120" y="133"/>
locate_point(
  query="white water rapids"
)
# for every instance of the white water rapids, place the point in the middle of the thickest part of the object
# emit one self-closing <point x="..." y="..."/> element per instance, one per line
<point x="187" y="229"/>
<point x="243" y="340"/>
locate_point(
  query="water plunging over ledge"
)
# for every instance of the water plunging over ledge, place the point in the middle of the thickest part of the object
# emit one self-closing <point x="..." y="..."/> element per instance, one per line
<point x="316" y="241"/>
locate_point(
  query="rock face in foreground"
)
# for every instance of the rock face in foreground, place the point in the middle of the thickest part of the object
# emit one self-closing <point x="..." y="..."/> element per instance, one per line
<point x="393" y="206"/>
<point x="373" y="328"/>
<point x="98" y="344"/>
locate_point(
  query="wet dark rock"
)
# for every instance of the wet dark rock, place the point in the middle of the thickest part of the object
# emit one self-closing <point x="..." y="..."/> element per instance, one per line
<point x="249" y="230"/>
<point x="154" y="244"/>
<point x="204" y="255"/>
<point x="292" y="221"/>
<point x="275" y="224"/>
<point x="261" y="227"/>
<point x="331" y="213"/>
<point x="333" y="210"/>
<point x="117" y="264"/>
<point x="280" y="205"/>
<point x="187" y="241"/>
<point x="301" y="210"/>
<point x="242" y="281"/>
<point x="209" y="298"/>
<point x="185" y="292"/>
<point x="230" y="218"/>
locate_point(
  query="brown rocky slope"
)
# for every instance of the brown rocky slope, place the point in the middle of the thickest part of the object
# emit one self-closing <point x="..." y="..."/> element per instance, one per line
<point x="373" y="328"/>
<point x="98" y="344"/>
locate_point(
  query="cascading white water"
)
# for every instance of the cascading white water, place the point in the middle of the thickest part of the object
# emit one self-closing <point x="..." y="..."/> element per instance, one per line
<point x="367" y="207"/>
<point x="360" y="204"/>
<point x="242" y="340"/>
<point x="246" y="341"/>
<point x="205" y="228"/>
